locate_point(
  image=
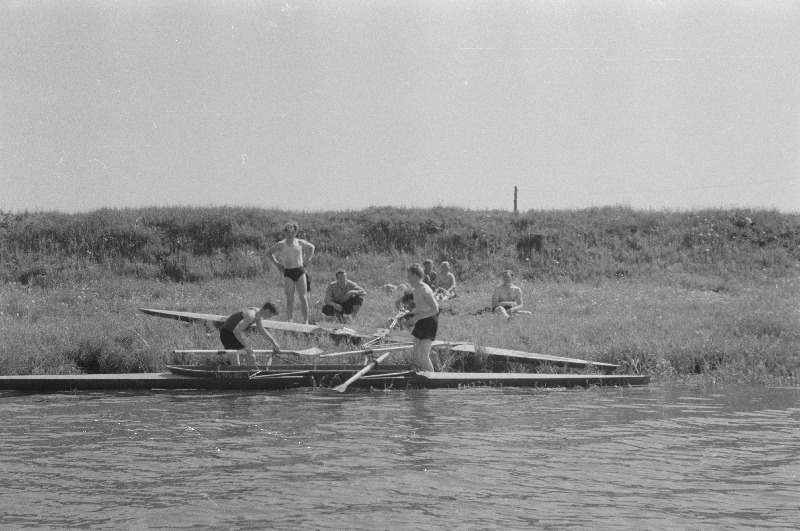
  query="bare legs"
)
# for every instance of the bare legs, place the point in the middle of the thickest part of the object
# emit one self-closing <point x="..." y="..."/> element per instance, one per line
<point x="302" y="293"/>
<point x="233" y="357"/>
<point x="508" y="313"/>
<point x="502" y="311"/>
<point x="421" y="354"/>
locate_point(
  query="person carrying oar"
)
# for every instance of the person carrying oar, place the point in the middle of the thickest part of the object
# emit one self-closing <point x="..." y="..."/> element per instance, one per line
<point x="424" y="318"/>
<point x="232" y="332"/>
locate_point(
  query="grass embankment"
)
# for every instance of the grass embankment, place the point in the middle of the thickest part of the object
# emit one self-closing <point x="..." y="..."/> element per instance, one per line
<point x="671" y="294"/>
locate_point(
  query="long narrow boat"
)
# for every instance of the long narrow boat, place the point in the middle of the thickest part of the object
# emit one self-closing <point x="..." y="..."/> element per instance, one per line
<point x="257" y="378"/>
<point x="495" y="354"/>
<point x="517" y="356"/>
<point x="333" y="329"/>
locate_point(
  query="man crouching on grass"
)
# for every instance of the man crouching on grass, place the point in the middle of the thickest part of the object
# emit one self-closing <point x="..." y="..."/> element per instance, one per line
<point x="343" y="298"/>
<point x="232" y="332"/>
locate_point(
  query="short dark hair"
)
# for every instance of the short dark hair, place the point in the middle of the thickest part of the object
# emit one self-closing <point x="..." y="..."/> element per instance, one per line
<point x="271" y="307"/>
<point x="342" y="271"/>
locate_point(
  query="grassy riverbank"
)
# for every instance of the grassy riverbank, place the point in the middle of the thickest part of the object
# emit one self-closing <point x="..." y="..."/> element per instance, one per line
<point x="672" y="294"/>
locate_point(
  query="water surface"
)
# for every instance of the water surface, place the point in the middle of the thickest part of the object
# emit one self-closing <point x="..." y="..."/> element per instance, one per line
<point x="652" y="457"/>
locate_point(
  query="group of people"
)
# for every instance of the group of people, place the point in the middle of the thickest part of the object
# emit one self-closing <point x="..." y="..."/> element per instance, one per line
<point x="344" y="298"/>
<point x="444" y="286"/>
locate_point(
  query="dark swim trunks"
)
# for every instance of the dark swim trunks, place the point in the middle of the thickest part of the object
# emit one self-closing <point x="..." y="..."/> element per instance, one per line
<point x="295" y="273"/>
<point x="229" y="340"/>
<point x="426" y="328"/>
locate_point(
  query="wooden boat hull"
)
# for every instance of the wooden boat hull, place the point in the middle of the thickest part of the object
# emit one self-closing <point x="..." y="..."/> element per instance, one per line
<point x="299" y="376"/>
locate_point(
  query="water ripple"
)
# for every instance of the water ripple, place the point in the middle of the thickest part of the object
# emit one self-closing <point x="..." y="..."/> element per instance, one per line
<point x="458" y="459"/>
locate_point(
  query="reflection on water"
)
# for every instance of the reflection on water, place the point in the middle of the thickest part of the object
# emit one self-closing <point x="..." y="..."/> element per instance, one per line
<point x="472" y="459"/>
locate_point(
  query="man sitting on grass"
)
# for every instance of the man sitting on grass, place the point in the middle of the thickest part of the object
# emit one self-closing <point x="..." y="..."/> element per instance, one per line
<point x="507" y="297"/>
<point x="446" y="283"/>
<point x="232" y="332"/>
<point x="343" y="298"/>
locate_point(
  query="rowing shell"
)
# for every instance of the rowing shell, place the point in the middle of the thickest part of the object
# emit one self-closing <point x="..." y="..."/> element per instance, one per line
<point x="516" y="356"/>
<point x="495" y="354"/>
<point x="329" y="328"/>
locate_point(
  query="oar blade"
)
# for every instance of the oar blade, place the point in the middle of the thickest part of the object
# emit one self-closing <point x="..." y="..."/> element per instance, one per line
<point x="341" y="388"/>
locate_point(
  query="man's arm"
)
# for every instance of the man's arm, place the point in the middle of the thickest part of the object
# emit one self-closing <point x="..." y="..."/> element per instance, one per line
<point x="308" y="250"/>
<point x="329" y="297"/>
<point x="263" y="331"/>
<point x="518" y="300"/>
<point x="272" y="251"/>
<point x="355" y="290"/>
<point x="248" y="317"/>
<point x="496" y="298"/>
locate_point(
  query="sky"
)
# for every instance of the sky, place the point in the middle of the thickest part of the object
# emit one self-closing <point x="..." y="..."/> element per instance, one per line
<point x="343" y="105"/>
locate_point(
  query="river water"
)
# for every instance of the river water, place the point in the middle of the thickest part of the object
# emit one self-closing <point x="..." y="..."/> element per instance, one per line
<point x="666" y="457"/>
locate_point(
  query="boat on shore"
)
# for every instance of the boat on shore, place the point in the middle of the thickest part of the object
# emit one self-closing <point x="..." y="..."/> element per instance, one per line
<point x="310" y="373"/>
<point x="283" y="377"/>
<point x="372" y="336"/>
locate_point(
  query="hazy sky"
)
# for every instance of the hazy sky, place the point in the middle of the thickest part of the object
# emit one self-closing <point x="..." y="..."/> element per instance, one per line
<point x="336" y="105"/>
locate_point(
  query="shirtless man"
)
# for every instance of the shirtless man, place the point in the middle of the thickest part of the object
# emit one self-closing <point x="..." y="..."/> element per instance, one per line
<point x="290" y="256"/>
<point x="425" y="318"/>
<point x="232" y="332"/>
<point x="507" y="298"/>
<point x="446" y="285"/>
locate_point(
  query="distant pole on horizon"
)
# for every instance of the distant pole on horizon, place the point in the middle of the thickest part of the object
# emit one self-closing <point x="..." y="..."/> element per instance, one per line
<point x="515" y="200"/>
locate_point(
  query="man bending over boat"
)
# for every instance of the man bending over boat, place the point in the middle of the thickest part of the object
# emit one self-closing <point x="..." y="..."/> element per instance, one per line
<point x="507" y="297"/>
<point x="343" y="298"/>
<point x="424" y="318"/>
<point x="232" y="332"/>
<point x="290" y="256"/>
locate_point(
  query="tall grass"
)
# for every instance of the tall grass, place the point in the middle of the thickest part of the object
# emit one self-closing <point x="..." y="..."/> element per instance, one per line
<point x="668" y="293"/>
<point x="191" y="244"/>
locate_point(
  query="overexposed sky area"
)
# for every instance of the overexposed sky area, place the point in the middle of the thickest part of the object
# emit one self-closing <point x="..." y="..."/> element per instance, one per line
<point x="342" y="105"/>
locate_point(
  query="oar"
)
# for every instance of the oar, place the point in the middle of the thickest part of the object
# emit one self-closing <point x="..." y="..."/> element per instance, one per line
<point x="383" y="333"/>
<point x="314" y="351"/>
<point x="284" y="374"/>
<point x="365" y="351"/>
<point x="343" y="387"/>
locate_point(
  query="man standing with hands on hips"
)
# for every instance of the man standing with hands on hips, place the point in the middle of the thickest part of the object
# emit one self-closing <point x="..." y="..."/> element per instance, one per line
<point x="291" y="255"/>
